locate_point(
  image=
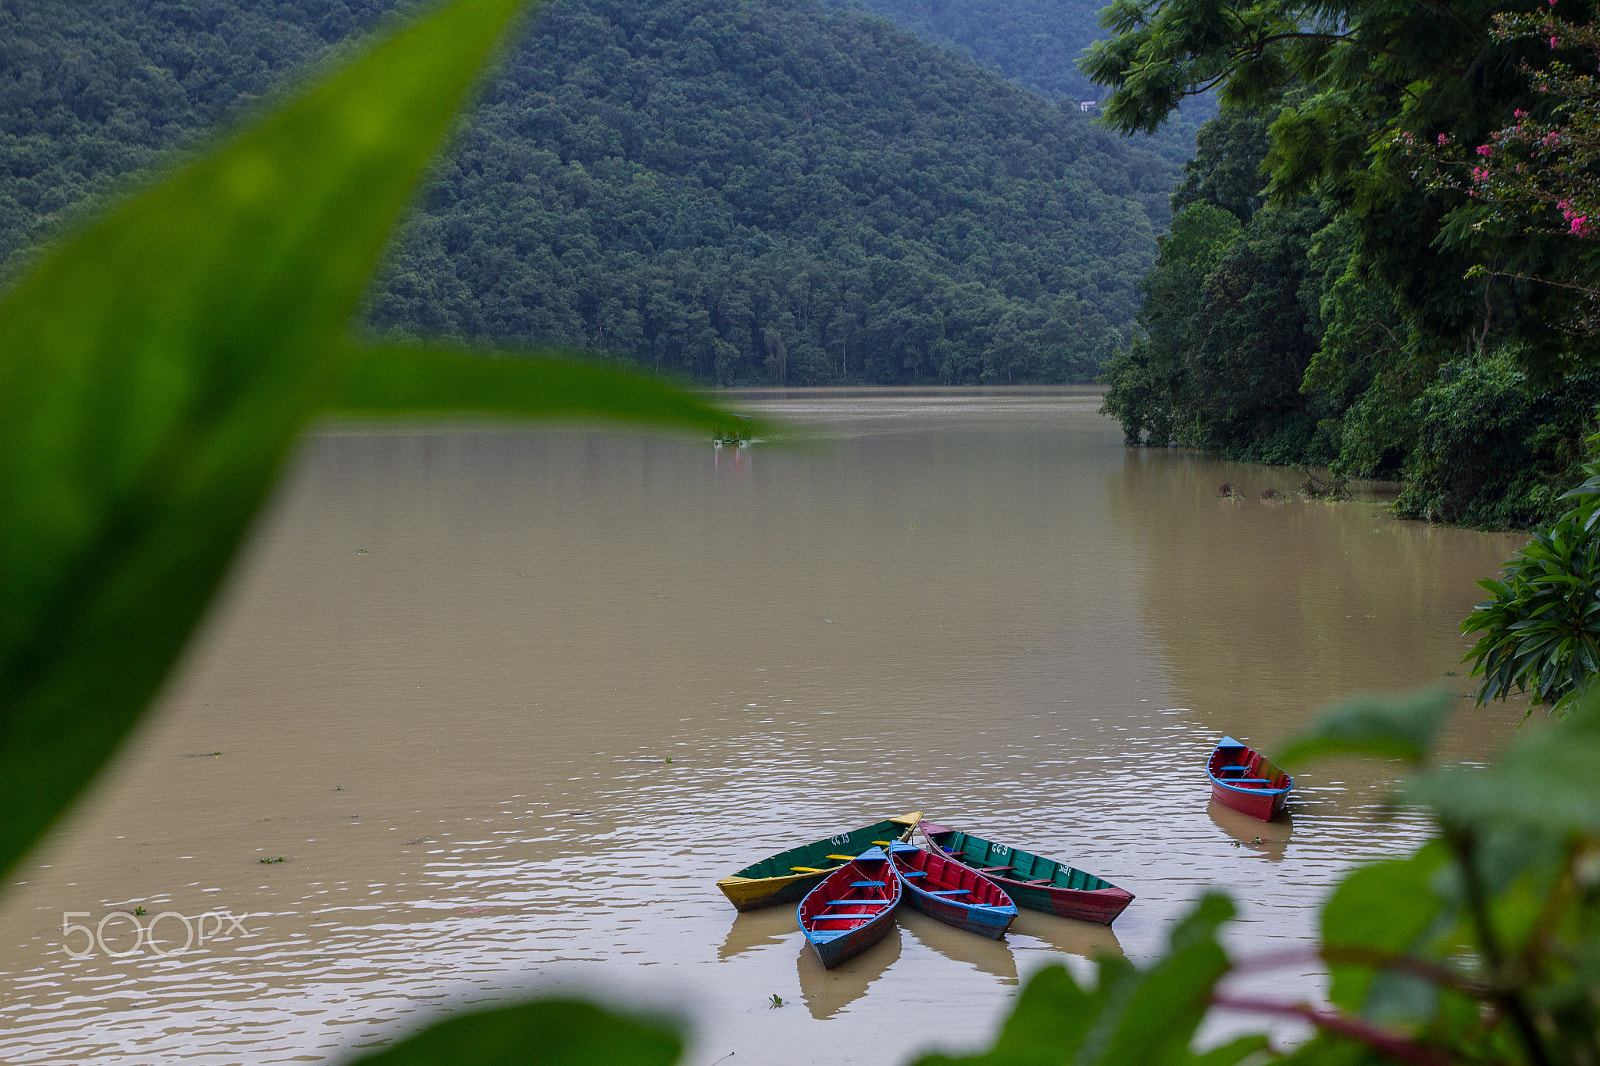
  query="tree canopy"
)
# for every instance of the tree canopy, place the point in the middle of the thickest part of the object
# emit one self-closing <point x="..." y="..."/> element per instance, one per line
<point x="1375" y="312"/>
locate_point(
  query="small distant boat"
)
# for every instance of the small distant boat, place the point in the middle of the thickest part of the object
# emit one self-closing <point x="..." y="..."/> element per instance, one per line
<point x="1032" y="881"/>
<point x="852" y="909"/>
<point x="789" y="875"/>
<point x="955" y="894"/>
<point x="738" y="436"/>
<point x="1247" y="781"/>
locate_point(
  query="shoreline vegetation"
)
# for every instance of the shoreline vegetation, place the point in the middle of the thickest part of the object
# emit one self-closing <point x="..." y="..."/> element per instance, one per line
<point x="1266" y="336"/>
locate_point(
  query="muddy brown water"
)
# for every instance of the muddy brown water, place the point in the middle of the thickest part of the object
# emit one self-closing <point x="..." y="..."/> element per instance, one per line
<point x="445" y="682"/>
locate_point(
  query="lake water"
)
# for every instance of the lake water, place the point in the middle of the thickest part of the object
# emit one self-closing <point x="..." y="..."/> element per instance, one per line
<point x="447" y="679"/>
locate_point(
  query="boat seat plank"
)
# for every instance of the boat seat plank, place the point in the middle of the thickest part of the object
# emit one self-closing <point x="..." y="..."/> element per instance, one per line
<point x="807" y="870"/>
<point x="855" y="903"/>
<point x="866" y="884"/>
<point x="1041" y="881"/>
<point x="950" y="892"/>
<point x="1248" y="781"/>
<point x="841" y="858"/>
<point x="915" y="873"/>
<point x="994" y="869"/>
<point x="864" y="914"/>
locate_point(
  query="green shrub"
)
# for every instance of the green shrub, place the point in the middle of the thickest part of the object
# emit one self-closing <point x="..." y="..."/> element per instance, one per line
<point x="1493" y="450"/>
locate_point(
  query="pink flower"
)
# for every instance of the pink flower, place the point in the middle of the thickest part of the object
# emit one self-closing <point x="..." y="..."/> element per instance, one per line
<point x="1485" y="149"/>
<point x="1580" y="226"/>
<point x="1552" y="42"/>
<point x="1480" y="174"/>
<point x="1550" y="140"/>
<point x="1444" y="139"/>
<point x="1523" y="114"/>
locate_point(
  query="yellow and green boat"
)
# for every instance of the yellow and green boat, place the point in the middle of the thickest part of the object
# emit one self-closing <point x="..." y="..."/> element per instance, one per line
<point x="787" y="876"/>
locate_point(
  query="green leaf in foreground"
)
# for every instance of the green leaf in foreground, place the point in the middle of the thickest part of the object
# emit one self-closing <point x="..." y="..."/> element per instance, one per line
<point x="551" y="1033"/>
<point x="155" y="368"/>
<point x="1395" y="727"/>
<point x="410" y="380"/>
<point x="1545" y="781"/>
<point x="1133" y="1015"/>
<point x="1378" y="912"/>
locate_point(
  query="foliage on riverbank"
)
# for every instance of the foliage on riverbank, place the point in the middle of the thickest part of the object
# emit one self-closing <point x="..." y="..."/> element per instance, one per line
<point x="1373" y="310"/>
<point x="1539" y="631"/>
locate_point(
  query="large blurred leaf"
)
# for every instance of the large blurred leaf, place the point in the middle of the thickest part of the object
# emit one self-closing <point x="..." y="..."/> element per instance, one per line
<point x="155" y="368"/>
<point x="413" y="380"/>
<point x="1132" y="1016"/>
<point x="1400" y="726"/>
<point x="1381" y="910"/>
<point x="554" y="1033"/>
<point x="1545" y="781"/>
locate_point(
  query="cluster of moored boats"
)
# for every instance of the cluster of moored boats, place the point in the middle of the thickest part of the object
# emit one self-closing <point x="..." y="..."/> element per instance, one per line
<point x="849" y="886"/>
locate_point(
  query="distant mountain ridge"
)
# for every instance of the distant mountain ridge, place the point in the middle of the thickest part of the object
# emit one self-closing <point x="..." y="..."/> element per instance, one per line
<point x="744" y="191"/>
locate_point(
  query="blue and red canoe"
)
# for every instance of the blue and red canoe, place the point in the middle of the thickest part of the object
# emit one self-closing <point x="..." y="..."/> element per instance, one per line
<point x="852" y="909"/>
<point x="1245" y="780"/>
<point x="944" y="889"/>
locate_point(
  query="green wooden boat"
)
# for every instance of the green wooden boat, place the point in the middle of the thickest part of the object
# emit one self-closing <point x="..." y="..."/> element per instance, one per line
<point x="787" y="876"/>
<point x="1033" y="881"/>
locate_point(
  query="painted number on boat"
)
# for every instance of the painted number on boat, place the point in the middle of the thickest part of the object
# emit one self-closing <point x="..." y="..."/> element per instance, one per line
<point x="1001" y="849"/>
<point x="842" y="838"/>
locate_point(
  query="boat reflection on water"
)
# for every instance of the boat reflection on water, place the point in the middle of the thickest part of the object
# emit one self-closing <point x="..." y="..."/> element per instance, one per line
<point x="1269" y="838"/>
<point x="1083" y="939"/>
<point x="827" y="992"/>
<point x="981" y="953"/>
<point x="754" y="929"/>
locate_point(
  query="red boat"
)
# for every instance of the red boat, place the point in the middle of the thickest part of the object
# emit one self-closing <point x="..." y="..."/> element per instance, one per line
<point x="1033" y="881"/>
<point x="852" y="909"/>
<point x="1247" y="781"/>
<point x="956" y="895"/>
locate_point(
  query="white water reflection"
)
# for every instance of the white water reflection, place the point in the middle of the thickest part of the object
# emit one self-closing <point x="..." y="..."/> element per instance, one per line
<point x="446" y="683"/>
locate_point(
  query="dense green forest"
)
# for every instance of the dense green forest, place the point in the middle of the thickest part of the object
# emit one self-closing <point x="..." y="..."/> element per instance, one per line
<point x="745" y="191"/>
<point x="1035" y="44"/>
<point x="1345" y="284"/>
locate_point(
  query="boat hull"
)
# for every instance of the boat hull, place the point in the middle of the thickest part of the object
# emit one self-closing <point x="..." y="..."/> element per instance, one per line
<point x="1100" y="906"/>
<point x="864" y="893"/>
<point x="1265" y="806"/>
<point x="985" y="909"/>
<point x="773" y="880"/>
<point x="1244" y="780"/>
<point x="1068" y="893"/>
<point x="842" y="949"/>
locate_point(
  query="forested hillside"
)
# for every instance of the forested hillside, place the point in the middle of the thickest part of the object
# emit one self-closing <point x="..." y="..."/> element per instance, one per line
<point x="1036" y="44"/>
<point x="93" y="91"/>
<point x="742" y="190"/>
